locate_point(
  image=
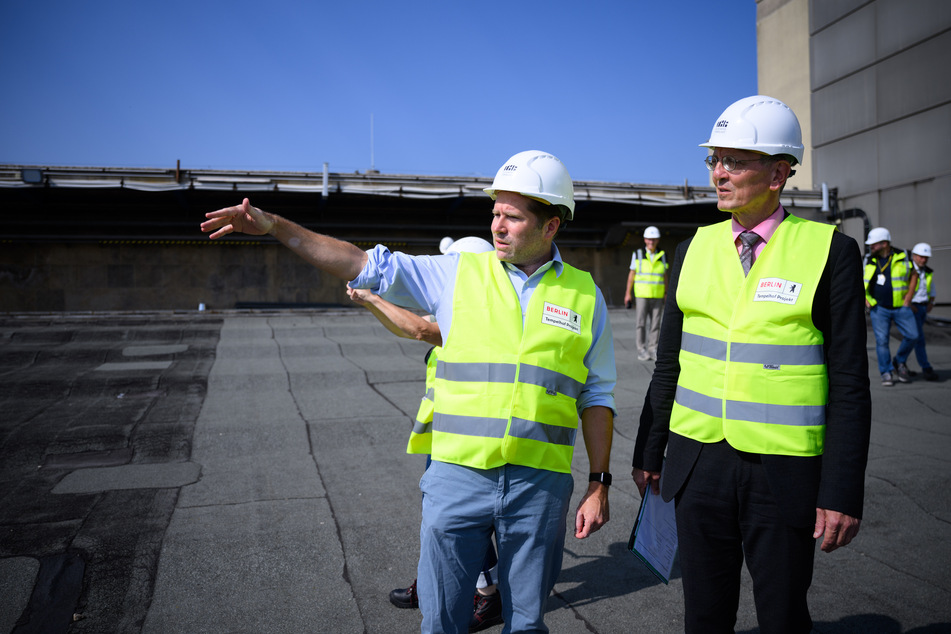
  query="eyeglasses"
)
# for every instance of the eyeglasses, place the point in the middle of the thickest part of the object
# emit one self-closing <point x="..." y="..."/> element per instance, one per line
<point x="729" y="162"/>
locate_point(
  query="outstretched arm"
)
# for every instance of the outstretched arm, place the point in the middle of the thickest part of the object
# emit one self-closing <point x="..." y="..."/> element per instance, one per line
<point x="339" y="258"/>
<point x="399" y="321"/>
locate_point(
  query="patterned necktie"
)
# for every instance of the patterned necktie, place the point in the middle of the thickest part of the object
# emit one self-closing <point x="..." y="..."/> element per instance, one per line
<point x="748" y="238"/>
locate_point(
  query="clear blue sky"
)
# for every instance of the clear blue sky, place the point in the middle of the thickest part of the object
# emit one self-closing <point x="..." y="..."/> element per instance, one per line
<point x="620" y="90"/>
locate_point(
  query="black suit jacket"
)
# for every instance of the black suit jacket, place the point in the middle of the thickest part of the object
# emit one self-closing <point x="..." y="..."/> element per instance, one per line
<point x="833" y="481"/>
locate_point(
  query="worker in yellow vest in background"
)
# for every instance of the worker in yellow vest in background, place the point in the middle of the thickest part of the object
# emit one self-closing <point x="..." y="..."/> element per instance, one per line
<point x="648" y="280"/>
<point x="890" y="283"/>
<point x="921" y="303"/>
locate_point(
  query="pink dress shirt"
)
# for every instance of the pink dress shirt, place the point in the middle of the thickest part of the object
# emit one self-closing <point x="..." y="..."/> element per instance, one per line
<point x="764" y="230"/>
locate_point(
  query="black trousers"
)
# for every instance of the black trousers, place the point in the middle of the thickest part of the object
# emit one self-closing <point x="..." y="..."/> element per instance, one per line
<point x="726" y="510"/>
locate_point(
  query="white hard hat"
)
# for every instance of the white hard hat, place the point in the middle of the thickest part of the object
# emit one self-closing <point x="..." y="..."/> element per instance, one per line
<point x="923" y="249"/>
<point x="652" y="232"/>
<point x="469" y="244"/>
<point x="537" y="175"/>
<point x="877" y="235"/>
<point x="760" y="124"/>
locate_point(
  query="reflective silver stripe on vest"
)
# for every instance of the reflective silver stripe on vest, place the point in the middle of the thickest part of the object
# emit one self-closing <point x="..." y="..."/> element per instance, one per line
<point x="469" y="425"/>
<point x="505" y="373"/>
<point x="704" y="346"/>
<point x="495" y="428"/>
<point x="429" y="394"/>
<point x="422" y="428"/>
<point x="791" y="415"/>
<point x="480" y="372"/>
<point x="760" y="353"/>
<point x="699" y="402"/>
<point x="550" y="380"/>
<point x="552" y="434"/>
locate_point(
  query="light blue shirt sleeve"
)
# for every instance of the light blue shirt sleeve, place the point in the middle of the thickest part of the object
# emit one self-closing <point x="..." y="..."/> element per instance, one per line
<point x="425" y="282"/>
<point x="428" y="282"/>
<point x="602" y="371"/>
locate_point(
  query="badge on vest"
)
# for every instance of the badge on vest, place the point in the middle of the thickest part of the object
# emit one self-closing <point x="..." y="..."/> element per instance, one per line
<point x="774" y="289"/>
<point x="561" y="317"/>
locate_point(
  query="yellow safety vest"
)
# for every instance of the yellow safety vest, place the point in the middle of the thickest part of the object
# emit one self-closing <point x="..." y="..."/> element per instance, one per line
<point x="506" y="393"/>
<point x="421" y="438"/>
<point x="752" y="366"/>
<point x="649" y="274"/>
<point x="927" y="274"/>
<point x="900" y="269"/>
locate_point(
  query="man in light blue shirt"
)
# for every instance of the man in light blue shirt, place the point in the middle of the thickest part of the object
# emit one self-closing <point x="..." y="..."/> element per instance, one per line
<point x="525" y="506"/>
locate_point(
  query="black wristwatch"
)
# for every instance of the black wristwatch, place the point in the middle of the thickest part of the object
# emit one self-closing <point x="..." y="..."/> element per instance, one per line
<point x="604" y="478"/>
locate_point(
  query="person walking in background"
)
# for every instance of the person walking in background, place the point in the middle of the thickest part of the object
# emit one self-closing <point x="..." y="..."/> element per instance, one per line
<point x="648" y="280"/>
<point x="527" y="346"/>
<point x="755" y="471"/>
<point x="890" y="282"/>
<point x="921" y="304"/>
<point x="487" y="606"/>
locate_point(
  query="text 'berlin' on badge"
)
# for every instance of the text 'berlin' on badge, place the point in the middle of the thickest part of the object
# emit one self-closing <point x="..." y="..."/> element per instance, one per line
<point x="774" y="289"/>
<point x="561" y="317"/>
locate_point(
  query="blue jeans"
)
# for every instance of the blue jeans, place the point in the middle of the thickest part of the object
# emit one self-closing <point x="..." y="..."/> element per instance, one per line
<point x="921" y="311"/>
<point x="526" y="507"/>
<point x="882" y="319"/>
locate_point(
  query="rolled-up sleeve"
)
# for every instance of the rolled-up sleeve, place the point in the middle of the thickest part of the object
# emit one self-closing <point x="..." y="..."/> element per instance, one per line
<point x="412" y="281"/>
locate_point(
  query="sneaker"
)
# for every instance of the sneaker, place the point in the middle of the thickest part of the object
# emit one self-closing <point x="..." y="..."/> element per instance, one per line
<point x="405" y="597"/>
<point x="886" y="382"/>
<point x="930" y="374"/>
<point x="486" y="612"/>
<point x="902" y="373"/>
<point x="643" y="356"/>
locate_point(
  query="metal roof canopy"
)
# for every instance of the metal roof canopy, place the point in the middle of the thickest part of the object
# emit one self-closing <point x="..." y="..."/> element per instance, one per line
<point x="48" y="203"/>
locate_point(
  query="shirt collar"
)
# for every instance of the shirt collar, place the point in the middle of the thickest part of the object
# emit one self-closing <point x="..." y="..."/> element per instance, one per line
<point x="764" y="229"/>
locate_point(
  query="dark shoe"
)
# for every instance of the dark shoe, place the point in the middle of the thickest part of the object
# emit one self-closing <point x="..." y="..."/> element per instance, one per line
<point x="887" y="380"/>
<point x="405" y="597"/>
<point x="930" y="374"/>
<point x="902" y="373"/>
<point x="486" y="612"/>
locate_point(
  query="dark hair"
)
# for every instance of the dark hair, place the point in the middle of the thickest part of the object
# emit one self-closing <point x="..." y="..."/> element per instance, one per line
<point x="545" y="212"/>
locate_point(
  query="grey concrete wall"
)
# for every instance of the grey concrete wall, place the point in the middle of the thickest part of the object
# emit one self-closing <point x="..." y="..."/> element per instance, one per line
<point x="881" y="117"/>
<point x="137" y="275"/>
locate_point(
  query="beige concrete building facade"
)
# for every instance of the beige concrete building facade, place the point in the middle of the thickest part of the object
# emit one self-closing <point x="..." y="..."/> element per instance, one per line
<point x="871" y="83"/>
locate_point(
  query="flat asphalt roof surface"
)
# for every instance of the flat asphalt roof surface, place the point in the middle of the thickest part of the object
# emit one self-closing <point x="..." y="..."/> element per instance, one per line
<point x="245" y="471"/>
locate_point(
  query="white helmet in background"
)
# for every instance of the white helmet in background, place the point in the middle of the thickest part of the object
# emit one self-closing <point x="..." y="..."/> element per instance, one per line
<point x="760" y="124"/>
<point x="537" y="175"/>
<point x="923" y="249"/>
<point x="878" y="234"/>
<point x="469" y="244"/>
<point x="652" y="232"/>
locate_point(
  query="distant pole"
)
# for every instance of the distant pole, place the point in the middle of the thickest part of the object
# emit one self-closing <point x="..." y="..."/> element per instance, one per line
<point x="372" y="163"/>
